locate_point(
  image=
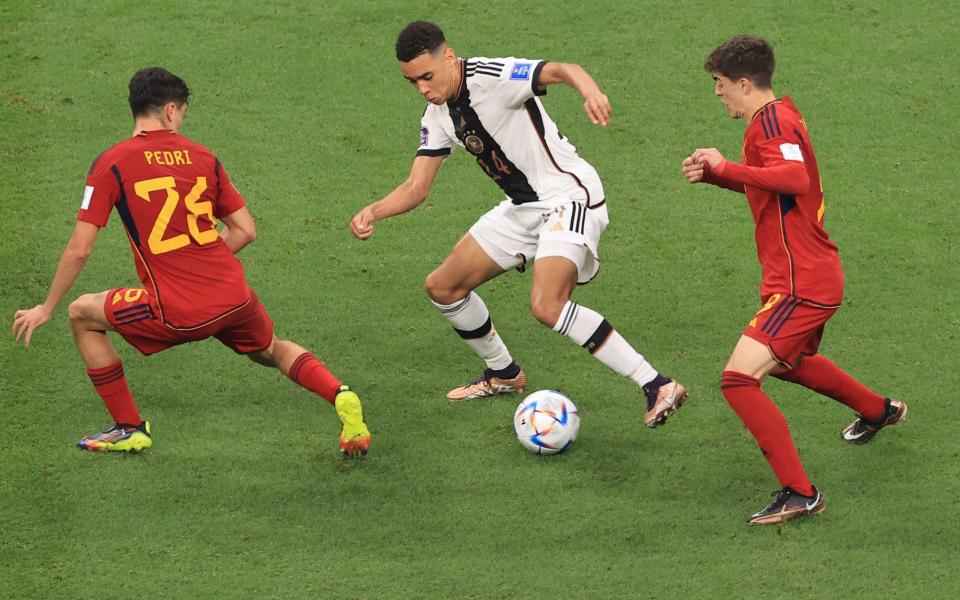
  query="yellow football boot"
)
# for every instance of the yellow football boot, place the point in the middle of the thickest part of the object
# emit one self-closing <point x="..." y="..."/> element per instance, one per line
<point x="354" y="436"/>
<point x="119" y="438"/>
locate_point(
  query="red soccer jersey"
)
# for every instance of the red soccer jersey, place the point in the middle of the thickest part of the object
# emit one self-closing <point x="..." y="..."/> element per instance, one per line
<point x="780" y="178"/>
<point x="167" y="191"/>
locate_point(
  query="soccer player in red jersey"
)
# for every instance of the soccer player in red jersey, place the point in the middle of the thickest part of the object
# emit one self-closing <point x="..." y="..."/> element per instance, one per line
<point x="169" y="192"/>
<point x="802" y="276"/>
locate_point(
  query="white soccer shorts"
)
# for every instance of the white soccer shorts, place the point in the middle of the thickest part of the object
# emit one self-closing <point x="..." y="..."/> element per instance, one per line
<point x="514" y="234"/>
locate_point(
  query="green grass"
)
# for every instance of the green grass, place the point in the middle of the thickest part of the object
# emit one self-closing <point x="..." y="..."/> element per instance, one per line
<point x="243" y="494"/>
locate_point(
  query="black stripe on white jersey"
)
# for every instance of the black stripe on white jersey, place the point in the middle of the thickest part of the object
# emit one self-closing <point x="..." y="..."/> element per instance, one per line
<point x="483" y="68"/>
<point x="578" y="215"/>
<point x="471" y="63"/>
<point x="490" y="156"/>
<point x="533" y="110"/>
<point x="483" y="72"/>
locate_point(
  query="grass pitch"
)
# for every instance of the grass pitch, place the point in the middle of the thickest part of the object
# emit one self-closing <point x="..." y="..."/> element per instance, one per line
<point x="243" y="493"/>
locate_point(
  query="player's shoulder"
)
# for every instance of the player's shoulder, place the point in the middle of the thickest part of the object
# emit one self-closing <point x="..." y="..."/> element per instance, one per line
<point x="193" y="146"/>
<point x="777" y="119"/>
<point x="483" y="71"/>
<point x="479" y="68"/>
<point x="435" y="111"/>
<point x="111" y="156"/>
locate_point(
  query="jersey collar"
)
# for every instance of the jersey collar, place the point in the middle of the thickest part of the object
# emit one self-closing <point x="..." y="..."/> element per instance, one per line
<point x="154" y="131"/>
<point x="760" y="110"/>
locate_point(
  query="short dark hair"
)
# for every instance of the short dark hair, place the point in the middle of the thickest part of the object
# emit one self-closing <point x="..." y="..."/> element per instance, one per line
<point x="743" y="56"/>
<point x="153" y="87"/>
<point x="416" y="38"/>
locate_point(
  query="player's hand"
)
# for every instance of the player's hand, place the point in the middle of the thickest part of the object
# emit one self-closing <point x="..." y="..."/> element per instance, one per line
<point x="361" y="226"/>
<point x="692" y="169"/>
<point x="710" y="156"/>
<point x="25" y="321"/>
<point x="597" y="107"/>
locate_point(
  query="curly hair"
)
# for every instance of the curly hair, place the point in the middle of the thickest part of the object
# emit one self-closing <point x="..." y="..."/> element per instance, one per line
<point x="416" y="38"/>
<point x="743" y="56"/>
<point x="153" y="87"/>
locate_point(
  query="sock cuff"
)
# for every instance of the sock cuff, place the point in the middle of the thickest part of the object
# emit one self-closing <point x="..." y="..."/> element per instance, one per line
<point x="105" y="375"/>
<point x="298" y="364"/>
<point x="453" y="309"/>
<point x="567" y="316"/>
<point x="733" y="379"/>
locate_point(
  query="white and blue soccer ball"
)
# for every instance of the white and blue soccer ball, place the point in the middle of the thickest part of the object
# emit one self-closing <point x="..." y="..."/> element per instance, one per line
<point x="546" y="422"/>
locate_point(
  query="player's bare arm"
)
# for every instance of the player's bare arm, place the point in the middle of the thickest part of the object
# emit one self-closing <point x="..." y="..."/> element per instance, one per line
<point x="407" y="196"/>
<point x="239" y="230"/>
<point x="595" y="102"/>
<point x="72" y="261"/>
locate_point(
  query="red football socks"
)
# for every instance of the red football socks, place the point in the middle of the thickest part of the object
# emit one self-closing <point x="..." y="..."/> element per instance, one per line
<point x="310" y="373"/>
<point x="821" y="375"/>
<point x="112" y="387"/>
<point x="769" y="428"/>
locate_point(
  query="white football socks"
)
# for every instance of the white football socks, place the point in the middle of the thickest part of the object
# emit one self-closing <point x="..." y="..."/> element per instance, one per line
<point x="471" y="321"/>
<point x="589" y="329"/>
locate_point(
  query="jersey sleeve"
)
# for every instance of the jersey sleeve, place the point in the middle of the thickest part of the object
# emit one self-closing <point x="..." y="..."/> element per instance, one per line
<point x="100" y="194"/>
<point x="712" y="178"/>
<point x="434" y="140"/>
<point x="519" y="80"/>
<point x="783" y="169"/>
<point x="228" y="199"/>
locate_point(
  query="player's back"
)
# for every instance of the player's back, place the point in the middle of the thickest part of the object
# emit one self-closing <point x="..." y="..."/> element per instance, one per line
<point x="168" y="191"/>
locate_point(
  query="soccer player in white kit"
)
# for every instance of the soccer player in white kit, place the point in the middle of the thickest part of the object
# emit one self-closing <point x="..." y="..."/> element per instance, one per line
<point x="554" y="211"/>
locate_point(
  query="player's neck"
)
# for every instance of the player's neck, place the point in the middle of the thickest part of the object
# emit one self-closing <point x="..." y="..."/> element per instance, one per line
<point x="457" y="79"/>
<point x="764" y="97"/>
<point x="144" y="124"/>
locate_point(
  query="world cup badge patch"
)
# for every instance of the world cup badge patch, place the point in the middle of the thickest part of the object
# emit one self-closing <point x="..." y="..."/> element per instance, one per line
<point x="520" y="71"/>
<point x="424" y="136"/>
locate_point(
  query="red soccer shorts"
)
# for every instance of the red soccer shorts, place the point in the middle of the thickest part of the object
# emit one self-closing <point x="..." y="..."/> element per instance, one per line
<point x="789" y="327"/>
<point x="134" y="314"/>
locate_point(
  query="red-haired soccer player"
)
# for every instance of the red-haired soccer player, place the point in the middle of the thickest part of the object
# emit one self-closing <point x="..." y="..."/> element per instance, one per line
<point x="802" y="275"/>
<point x="169" y="192"/>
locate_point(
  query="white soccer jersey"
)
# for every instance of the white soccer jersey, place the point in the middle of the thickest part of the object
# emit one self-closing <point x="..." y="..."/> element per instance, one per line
<point x="498" y="118"/>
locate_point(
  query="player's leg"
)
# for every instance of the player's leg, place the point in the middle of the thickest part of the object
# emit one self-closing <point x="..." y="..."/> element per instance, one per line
<point x="451" y="288"/>
<point x="300" y="365"/>
<point x="778" y="334"/>
<point x="250" y="333"/>
<point x="820" y="374"/>
<point x="89" y="323"/>
<point x="749" y="363"/>
<point x="554" y="279"/>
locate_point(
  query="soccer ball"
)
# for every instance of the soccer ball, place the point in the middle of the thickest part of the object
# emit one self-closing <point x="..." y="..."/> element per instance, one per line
<point x="546" y="422"/>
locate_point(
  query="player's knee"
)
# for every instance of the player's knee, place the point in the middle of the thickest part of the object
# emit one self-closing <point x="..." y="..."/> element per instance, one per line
<point x="265" y="357"/>
<point x="440" y="291"/>
<point x="545" y="310"/>
<point x="732" y="382"/>
<point x="261" y="358"/>
<point x="79" y="309"/>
